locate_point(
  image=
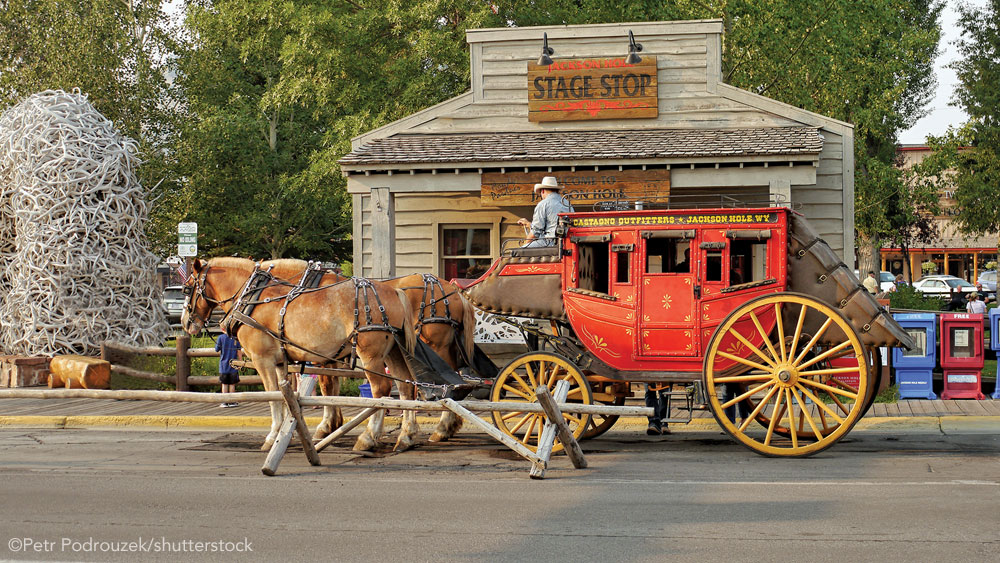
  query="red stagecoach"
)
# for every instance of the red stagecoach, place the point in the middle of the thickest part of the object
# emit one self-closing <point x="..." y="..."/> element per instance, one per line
<point x="748" y="302"/>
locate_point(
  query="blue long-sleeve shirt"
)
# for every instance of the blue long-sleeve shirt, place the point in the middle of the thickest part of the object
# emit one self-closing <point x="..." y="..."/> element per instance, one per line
<point x="546" y="217"/>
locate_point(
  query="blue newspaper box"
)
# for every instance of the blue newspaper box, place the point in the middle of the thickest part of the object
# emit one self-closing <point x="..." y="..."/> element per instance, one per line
<point x="995" y="344"/>
<point x="915" y="368"/>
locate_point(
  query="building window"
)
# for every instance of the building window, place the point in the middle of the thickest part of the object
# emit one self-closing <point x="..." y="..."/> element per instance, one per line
<point x="466" y="251"/>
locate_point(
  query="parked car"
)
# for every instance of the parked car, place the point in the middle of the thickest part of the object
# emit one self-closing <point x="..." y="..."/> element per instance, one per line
<point x="942" y="286"/>
<point x="173" y="302"/>
<point x="988" y="279"/>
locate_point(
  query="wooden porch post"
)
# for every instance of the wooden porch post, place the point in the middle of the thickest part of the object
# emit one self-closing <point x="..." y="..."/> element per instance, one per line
<point x="383" y="211"/>
<point x="946" y="255"/>
<point x="975" y="266"/>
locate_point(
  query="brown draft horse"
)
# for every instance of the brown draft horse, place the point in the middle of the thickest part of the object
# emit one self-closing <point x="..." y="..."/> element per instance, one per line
<point x="435" y="324"/>
<point x="317" y="325"/>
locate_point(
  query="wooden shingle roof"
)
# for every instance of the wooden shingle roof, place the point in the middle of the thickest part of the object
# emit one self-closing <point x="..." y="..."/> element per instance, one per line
<point x="586" y="145"/>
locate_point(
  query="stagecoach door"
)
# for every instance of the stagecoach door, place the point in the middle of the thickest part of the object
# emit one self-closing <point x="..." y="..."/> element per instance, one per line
<point x="668" y="325"/>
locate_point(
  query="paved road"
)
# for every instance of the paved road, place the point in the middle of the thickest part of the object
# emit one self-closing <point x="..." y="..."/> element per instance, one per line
<point x="881" y="494"/>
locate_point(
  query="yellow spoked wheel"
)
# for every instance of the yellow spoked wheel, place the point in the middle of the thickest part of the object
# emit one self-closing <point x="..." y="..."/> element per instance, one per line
<point x="800" y="366"/>
<point x="517" y="383"/>
<point x="827" y="426"/>
<point x="601" y="423"/>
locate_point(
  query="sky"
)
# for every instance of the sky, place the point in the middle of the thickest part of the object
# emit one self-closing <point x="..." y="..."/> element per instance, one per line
<point x="941" y="113"/>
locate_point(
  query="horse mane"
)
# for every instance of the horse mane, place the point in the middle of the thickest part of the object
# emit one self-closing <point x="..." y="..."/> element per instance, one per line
<point x="231" y="262"/>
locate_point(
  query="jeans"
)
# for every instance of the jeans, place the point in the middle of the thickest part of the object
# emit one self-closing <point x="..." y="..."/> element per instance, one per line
<point x="731" y="391"/>
<point x="656" y="400"/>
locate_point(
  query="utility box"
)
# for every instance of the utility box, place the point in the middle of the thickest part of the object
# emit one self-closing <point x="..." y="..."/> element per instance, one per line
<point x="915" y="368"/>
<point x="962" y="355"/>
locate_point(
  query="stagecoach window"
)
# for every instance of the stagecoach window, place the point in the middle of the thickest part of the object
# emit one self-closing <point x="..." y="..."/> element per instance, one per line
<point x="667" y="256"/>
<point x="747" y="261"/>
<point x="713" y="266"/>
<point x="465" y="251"/>
<point x="622" y="267"/>
<point x="593" y="264"/>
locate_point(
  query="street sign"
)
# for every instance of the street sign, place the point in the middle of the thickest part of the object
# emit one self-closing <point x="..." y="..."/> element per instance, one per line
<point x="187" y="239"/>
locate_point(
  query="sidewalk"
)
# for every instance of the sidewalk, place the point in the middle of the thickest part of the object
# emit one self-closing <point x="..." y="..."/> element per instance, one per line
<point x="91" y="413"/>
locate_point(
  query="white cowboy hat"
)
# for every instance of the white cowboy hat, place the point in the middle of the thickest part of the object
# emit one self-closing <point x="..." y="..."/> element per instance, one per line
<point x="549" y="183"/>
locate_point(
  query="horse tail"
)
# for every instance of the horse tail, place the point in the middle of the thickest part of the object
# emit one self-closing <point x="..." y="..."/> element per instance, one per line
<point x="468" y="326"/>
<point x="409" y="333"/>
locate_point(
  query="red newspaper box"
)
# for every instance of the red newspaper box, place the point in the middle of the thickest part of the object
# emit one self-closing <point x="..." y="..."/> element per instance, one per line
<point x="961" y="337"/>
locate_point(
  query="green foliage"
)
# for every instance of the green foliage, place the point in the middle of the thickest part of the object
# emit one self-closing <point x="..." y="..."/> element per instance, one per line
<point x="905" y="297"/>
<point x="928" y="267"/>
<point x="977" y="164"/>
<point x="888" y="395"/>
<point x="253" y="180"/>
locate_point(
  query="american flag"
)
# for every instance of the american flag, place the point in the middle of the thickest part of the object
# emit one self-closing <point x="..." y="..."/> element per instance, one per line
<point x="182" y="271"/>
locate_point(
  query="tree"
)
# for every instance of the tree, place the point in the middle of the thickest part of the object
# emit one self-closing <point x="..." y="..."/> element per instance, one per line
<point x="246" y="153"/>
<point x="977" y="166"/>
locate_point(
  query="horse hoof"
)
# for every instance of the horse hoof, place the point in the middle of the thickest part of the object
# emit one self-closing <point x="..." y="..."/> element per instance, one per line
<point x="403" y="444"/>
<point x="320" y="434"/>
<point x="364" y="443"/>
<point x="438" y="437"/>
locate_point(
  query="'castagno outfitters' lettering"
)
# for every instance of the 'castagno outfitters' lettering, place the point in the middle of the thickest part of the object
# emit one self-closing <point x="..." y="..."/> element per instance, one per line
<point x="583" y="89"/>
<point x="678" y="219"/>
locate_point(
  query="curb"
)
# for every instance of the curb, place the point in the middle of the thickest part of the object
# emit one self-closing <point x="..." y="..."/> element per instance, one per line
<point x="935" y="424"/>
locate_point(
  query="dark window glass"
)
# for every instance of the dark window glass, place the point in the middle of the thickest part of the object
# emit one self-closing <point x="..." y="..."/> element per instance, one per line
<point x="473" y="241"/>
<point x="713" y="266"/>
<point x="747" y="261"/>
<point x="668" y="256"/>
<point x="623" y="271"/>
<point x="594" y="265"/>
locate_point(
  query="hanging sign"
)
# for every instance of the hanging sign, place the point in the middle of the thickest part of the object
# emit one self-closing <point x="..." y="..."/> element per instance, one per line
<point x="187" y="239"/>
<point x="584" y="89"/>
<point x="581" y="187"/>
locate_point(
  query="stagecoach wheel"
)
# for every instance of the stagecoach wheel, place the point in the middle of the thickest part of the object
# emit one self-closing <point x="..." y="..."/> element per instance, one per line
<point x="781" y="428"/>
<point x="776" y="347"/>
<point x="600" y="423"/>
<point x="517" y="383"/>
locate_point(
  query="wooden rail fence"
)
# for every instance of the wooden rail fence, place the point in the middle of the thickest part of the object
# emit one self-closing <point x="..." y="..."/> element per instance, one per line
<point x="294" y="421"/>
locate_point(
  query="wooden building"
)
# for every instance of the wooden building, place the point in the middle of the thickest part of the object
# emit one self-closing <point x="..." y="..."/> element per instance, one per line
<point x="440" y="191"/>
<point x="952" y="252"/>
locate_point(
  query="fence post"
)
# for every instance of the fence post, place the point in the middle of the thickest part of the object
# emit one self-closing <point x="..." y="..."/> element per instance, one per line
<point x="183" y="361"/>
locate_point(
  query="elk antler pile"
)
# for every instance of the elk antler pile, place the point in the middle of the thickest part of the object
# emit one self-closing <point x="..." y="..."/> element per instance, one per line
<point x="75" y="268"/>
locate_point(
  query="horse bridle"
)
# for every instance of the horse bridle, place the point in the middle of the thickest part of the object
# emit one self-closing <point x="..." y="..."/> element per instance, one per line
<point x="200" y="284"/>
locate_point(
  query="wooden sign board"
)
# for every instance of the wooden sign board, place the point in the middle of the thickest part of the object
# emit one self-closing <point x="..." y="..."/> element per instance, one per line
<point x="584" y="89"/>
<point x="581" y="187"/>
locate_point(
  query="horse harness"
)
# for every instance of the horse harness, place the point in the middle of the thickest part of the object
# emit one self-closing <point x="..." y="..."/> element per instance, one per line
<point x="364" y="292"/>
<point x="429" y="300"/>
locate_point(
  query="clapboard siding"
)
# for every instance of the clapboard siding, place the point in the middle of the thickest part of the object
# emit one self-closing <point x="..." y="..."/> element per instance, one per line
<point x="419" y="216"/>
<point x="823" y="203"/>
